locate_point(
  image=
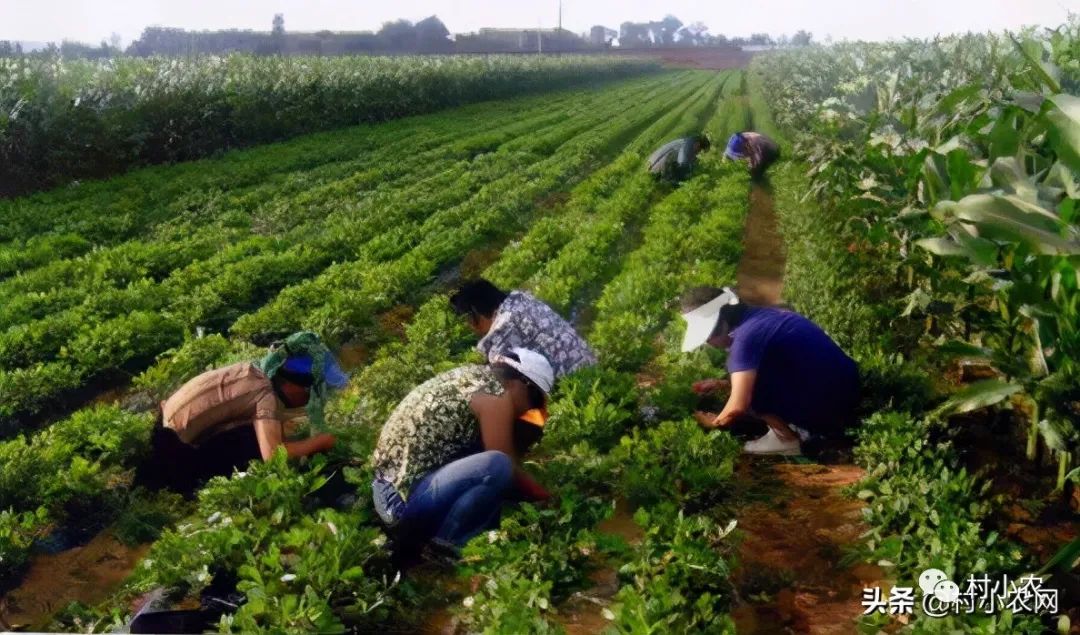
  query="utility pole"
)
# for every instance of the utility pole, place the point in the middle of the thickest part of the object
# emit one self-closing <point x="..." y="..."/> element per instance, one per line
<point x="560" y="15"/>
<point x="539" y="38"/>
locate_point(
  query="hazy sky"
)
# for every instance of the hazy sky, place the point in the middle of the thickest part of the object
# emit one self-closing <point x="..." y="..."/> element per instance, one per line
<point x="93" y="20"/>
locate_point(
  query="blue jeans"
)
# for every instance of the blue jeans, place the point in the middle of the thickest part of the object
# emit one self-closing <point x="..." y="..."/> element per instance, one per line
<point x="451" y="504"/>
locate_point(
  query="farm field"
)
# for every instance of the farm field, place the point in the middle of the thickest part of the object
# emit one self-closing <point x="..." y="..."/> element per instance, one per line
<point x="923" y="214"/>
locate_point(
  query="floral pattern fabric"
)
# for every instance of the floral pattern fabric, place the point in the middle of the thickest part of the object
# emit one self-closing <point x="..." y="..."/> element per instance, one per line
<point x="523" y="321"/>
<point x="432" y="426"/>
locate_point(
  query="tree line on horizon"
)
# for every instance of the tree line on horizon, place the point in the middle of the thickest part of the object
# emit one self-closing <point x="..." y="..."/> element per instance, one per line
<point x="426" y="36"/>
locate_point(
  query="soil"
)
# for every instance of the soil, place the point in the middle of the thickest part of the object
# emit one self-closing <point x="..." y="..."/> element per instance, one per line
<point x="789" y="577"/>
<point x="87" y="574"/>
<point x="760" y="277"/>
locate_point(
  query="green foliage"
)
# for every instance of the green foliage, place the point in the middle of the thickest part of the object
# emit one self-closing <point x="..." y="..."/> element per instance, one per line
<point x="677" y="581"/>
<point x="535" y="555"/>
<point x="595" y="405"/>
<point x="67" y="119"/>
<point x="675" y="461"/>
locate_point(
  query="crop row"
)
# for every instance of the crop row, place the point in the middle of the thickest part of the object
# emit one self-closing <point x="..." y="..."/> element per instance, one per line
<point x="70" y="119"/>
<point x="208" y="293"/>
<point x="242" y="182"/>
<point x="537" y="557"/>
<point x="658" y="97"/>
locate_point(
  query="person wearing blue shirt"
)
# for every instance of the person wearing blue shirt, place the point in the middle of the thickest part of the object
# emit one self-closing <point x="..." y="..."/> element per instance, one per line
<point x="789" y="381"/>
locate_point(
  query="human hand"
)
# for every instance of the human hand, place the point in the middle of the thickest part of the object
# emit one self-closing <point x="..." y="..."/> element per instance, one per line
<point x="707" y="386"/>
<point x="707" y="420"/>
<point x="324" y="442"/>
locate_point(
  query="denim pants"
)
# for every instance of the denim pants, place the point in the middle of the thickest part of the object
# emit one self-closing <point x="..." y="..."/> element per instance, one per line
<point x="449" y="505"/>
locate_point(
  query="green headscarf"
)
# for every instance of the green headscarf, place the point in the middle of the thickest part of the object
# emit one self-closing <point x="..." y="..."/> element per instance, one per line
<point x="299" y="344"/>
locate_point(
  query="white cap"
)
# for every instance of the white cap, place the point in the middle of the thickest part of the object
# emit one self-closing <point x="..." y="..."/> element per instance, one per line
<point x="701" y="322"/>
<point x="533" y="365"/>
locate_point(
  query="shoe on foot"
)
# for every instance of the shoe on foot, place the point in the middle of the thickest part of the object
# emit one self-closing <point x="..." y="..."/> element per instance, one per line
<point x="772" y="444"/>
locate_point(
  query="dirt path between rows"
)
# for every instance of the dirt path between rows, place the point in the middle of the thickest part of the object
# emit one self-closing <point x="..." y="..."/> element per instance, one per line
<point x="795" y="522"/>
<point x="86" y="573"/>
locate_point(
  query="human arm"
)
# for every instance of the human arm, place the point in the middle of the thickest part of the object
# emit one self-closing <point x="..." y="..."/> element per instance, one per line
<point x="738" y="403"/>
<point x="708" y="386"/>
<point x="269" y="434"/>
<point x="496" y="417"/>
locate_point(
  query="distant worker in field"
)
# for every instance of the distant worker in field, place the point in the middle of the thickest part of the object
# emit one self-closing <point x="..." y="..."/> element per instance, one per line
<point x="674" y="161"/>
<point x="788" y="381"/>
<point x="758" y="149"/>
<point x="449" y="454"/>
<point x="222" y="419"/>
<point x="505" y="321"/>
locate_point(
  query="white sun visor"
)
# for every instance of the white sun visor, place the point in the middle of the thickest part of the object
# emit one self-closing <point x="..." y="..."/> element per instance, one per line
<point x="701" y="321"/>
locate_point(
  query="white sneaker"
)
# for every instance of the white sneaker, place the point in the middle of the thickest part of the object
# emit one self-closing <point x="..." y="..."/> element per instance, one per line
<point x="772" y="444"/>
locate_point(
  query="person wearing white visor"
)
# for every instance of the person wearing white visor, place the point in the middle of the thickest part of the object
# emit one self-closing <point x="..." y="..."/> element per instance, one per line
<point x="449" y="454"/>
<point x="788" y="381"/>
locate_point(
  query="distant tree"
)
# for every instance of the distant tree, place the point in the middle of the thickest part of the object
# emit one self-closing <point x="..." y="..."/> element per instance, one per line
<point x="783" y="41"/>
<point x="664" y="31"/>
<point x="399" y="35"/>
<point x="761" y="39"/>
<point x="432" y="36"/>
<point x="633" y="34"/>
<point x="802" y="38"/>
<point x="115" y="41"/>
<point x="694" y="34"/>
<point x="7" y="49"/>
<point x="277" y="34"/>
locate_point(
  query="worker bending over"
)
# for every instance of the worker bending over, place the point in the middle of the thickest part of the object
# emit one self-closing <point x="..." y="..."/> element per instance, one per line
<point x="222" y="419"/>
<point x="505" y="321"/>
<point x="789" y="381"/>
<point x="759" y="150"/>
<point x="674" y="161"/>
<point x="449" y="454"/>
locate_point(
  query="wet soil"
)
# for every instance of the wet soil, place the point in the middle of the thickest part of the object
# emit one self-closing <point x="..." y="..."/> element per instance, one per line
<point x="87" y="574"/>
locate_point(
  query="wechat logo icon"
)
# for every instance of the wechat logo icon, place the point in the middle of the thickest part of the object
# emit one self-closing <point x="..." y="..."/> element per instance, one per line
<point x="935" y="582"/>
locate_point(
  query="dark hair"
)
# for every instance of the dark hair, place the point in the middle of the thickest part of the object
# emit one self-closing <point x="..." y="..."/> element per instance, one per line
<point x="477" y="298"/>
<point x="730" y="315"/>
<point x="505" y="373"/>
<point x="703" y="141"/>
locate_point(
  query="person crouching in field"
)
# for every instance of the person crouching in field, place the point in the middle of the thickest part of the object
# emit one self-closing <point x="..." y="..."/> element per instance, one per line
<point x="759" y="150"/>
<point x="789" y="381"/>
<point x="505" y="321"/>
<point x="448" y="455"/>
<point x="674" y="161"/>
<point x="222" y="419"/>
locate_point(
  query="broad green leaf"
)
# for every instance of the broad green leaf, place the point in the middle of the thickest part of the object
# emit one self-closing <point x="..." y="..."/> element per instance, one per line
<point x="1063" y="117"/>
<point x="1065" y="559"/>
<point x="1046" y="74"/>
<point x="1007" y="174"/>
<point x="1011" y="219"/>
<point x="1061" y="177"/>
<point x="978" y="395"/>
<point x="963" y="349"/>
<point x="942" y="247"/>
